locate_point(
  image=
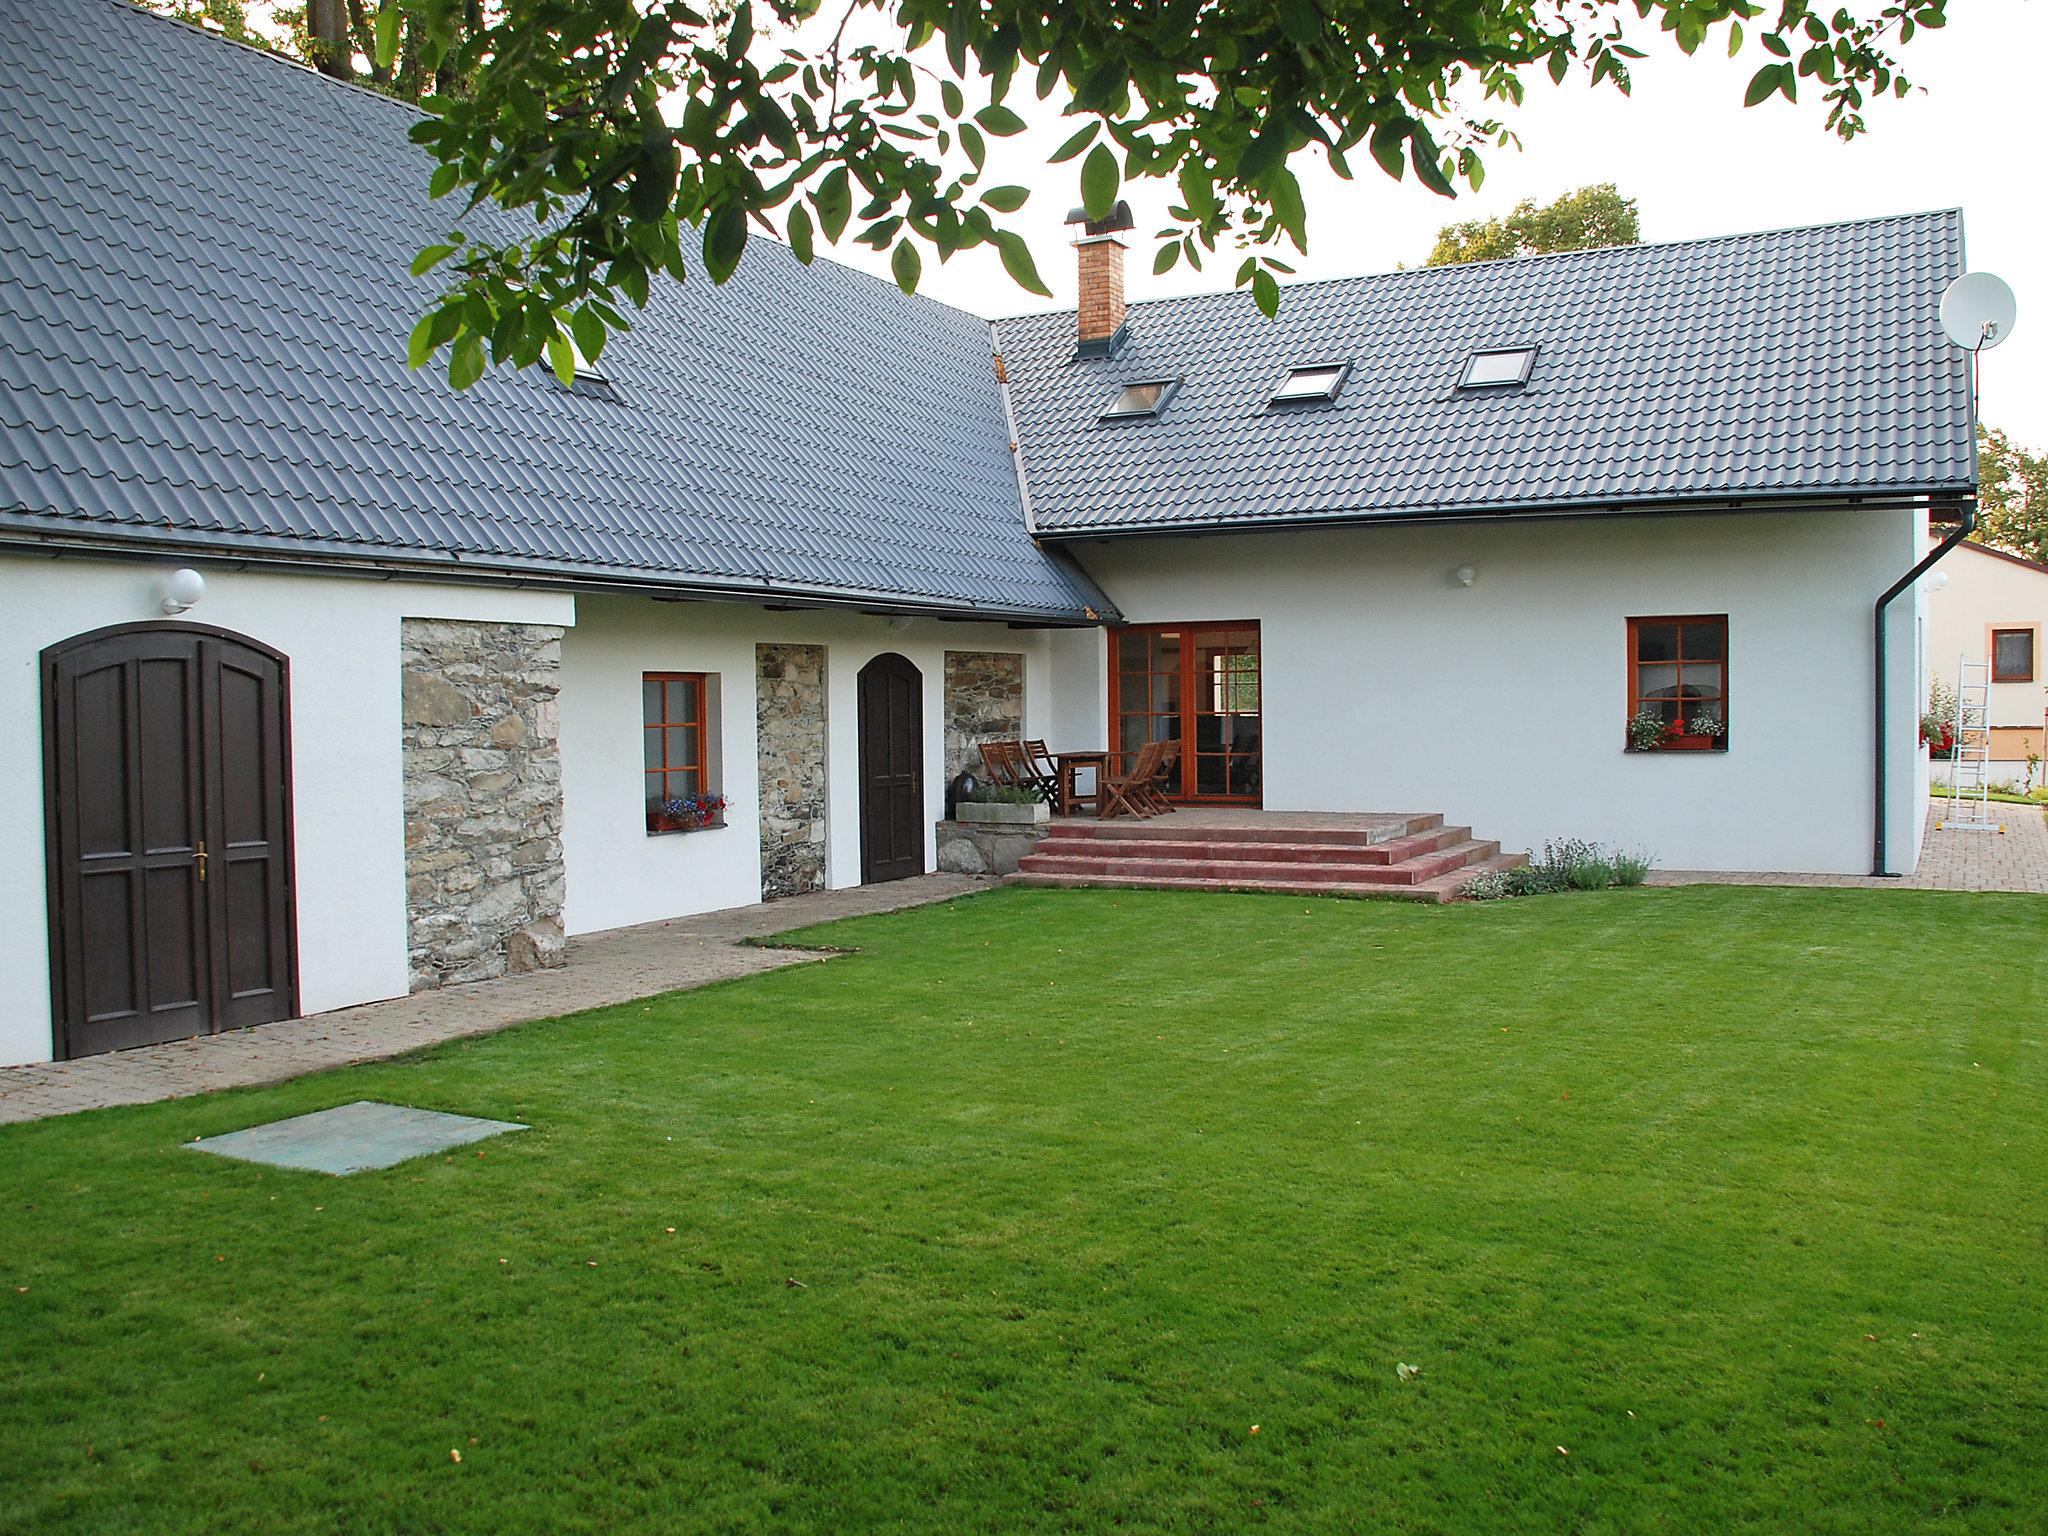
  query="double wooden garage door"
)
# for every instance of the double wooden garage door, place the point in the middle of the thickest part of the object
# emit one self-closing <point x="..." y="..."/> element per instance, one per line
<point x="169" y="836"/>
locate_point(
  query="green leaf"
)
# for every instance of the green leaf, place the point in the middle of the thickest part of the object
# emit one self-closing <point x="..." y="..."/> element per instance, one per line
<point x="1734" y="38"/>
<point x="1761" y="85"/>
<point x="999" y="120"/>
<point x="420" y="347"/>
<point x="388" y="19"/>
<point x="562" y="358"/>
<point x="725" y="239"/>
<point x="906" y="265"/>
<point x="800" y="233"/>
<point x="1168" y="255"/>
<point x="1285" y="193"/>
<point x="430" y="258"/>
<point x="1005" y="199"/>
<point x="1263" y="154"/>
<point x="1077" y="141"/>
<point x="1018" y="263"/>
<point x="834" y="198"/>
<point x="444" y="179"/>
<point x="1776" y="44"/>
<point x="589" y="331"/>
<point x="1266" y="293"/>
<point x="972" y="141"/>
<point x="950" y="95"/>
<point x="1389" y="147"/>
<point x="466" y="362"/>
<point x="1100" y="178"/>
<point x="1422" y="154"/>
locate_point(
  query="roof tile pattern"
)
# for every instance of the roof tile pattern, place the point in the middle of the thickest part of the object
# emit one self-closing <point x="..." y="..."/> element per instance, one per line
<point x="1800" y="362"/>
<point x="204" y="303"/>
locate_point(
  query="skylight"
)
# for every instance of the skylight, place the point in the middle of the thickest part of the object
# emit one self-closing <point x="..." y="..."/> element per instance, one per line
<point x="1315" y="381"/>
<point x="1491" y="367"/>
<point x="1145" y="398"/>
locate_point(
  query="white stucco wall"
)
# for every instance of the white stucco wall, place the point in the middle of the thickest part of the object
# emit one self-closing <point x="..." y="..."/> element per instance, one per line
<point x="1985" y="592"/>
<point x="1387" y="686"/>
<point x="617" y="873"/>
<point x="341" y="636"/>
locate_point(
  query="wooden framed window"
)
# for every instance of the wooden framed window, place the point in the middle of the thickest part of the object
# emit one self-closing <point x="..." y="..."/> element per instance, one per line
<point x="1678" y="672"/>
<point x="675" y="733"/>
<point x="2012" y="655"/>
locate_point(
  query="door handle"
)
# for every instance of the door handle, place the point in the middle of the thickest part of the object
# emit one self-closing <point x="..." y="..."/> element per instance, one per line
<point x="200" y="859"/>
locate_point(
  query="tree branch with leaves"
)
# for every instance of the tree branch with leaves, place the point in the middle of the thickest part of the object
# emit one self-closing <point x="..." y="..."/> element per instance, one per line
<point x="638" y="138"/>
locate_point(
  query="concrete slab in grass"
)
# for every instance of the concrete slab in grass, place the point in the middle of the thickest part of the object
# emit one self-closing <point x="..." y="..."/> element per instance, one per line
<point x="352" y="1137"/>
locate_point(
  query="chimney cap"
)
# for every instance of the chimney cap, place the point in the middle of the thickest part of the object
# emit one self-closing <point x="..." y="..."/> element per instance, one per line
<point x="1119" y="219"/>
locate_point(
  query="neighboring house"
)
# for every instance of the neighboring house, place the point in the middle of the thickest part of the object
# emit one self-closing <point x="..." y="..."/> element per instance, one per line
<point x="1993" y="611"/>
<point x="1423" y="543"/>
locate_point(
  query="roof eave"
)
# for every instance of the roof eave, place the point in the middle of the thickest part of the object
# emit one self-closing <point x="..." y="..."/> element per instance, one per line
<point x="312" y="557"/>
<point x="1508" y="512"/>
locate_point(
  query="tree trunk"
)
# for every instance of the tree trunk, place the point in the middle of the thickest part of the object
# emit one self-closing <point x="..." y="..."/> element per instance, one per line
<point x="327" y="38"/>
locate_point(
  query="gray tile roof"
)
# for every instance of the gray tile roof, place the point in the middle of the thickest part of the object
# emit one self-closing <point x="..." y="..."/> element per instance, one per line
<point x="203" y="311"/>
<point x="1800" y="362"/>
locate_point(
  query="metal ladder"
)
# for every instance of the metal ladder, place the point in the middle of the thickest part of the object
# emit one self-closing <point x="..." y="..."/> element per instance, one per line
<point x="1969" y="802"/>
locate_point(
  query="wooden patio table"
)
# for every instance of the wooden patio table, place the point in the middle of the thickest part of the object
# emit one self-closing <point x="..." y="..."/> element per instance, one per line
<point x="1071" y="763"/>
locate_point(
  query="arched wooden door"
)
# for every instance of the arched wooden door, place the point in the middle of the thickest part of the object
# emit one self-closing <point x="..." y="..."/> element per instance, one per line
<point x="891" y="770"/>
<point x="168" y="819"/>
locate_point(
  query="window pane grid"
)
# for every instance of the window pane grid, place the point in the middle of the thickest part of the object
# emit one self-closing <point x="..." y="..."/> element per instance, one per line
<point x="673" y="736"/>
<point x="1678" y="672"/>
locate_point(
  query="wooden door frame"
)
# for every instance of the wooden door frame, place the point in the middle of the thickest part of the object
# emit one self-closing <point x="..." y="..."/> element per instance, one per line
<point x="53" y="891"/>
<point x="861" y="765"/>
<point x="1188" y="629"/>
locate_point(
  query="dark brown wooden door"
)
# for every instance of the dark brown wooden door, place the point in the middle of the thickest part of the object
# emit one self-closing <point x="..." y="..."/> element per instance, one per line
<point x="891" y="770"/>
<point x="168" y="810"/>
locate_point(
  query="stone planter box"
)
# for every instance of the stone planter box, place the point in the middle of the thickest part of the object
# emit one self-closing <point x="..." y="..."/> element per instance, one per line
<point x="1037" y="814"/>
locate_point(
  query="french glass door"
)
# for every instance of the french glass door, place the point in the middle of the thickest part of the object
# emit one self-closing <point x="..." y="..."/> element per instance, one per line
<point x="1198" y="685"/>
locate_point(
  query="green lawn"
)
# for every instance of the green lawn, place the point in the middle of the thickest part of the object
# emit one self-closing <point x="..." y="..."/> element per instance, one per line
<point x="1738" y="1196"/>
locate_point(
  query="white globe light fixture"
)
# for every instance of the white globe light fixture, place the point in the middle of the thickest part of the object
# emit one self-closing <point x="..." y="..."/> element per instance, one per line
<point x="181" y="589"/>
<point x="1465" y="574"/>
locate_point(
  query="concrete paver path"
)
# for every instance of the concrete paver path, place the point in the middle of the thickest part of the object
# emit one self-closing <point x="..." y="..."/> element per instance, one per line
<point x="603" y="968"/>
<point x="2013" y="860"/>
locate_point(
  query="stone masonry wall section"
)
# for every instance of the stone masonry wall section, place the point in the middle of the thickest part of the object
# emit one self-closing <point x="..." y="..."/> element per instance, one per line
<point x="984" y="702"/>
<point x="790" y="717"/>
<point x="483" y="799"/>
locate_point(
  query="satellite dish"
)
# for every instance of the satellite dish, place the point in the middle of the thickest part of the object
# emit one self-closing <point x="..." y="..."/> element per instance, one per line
<point x="1977" y="311"/>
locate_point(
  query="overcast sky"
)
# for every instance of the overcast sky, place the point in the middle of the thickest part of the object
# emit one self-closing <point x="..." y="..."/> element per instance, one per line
<point x="1696" y="162"/>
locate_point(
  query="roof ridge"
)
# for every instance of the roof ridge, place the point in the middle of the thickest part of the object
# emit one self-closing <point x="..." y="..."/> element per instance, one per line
<point x="1533" y="256"/>
<point x="136" y="7"/>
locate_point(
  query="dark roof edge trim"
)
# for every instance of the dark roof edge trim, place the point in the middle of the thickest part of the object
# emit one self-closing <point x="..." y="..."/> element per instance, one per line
<point x="309" y="557"/>
<point x="1774" y="501"/>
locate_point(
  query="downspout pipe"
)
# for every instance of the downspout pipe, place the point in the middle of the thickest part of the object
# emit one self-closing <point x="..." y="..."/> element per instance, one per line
<point x="1880" y="816"/>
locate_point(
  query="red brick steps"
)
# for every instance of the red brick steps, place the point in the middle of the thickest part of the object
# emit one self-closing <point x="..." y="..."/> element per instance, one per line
<point x="1415" y="858"/>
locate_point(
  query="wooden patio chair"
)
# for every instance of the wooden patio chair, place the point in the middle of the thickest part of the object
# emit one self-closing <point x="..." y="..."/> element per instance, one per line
<point x="1038" y="770"/>
<point x="1125" y="795"/>
<point x="1163" y="772"/>
<point x="999" y="760"/>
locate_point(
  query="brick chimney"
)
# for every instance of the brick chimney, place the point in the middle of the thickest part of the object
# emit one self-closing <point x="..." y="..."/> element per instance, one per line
<point x="1101" y="249"/>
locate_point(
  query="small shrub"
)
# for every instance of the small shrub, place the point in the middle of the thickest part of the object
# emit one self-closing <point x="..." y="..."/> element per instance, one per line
<point x="1001" y="794"/>
<point x="1592" y="874"/>
<point x="1488" y="885"/>
<point x="1566" y="864"/>
<point x="1631" y="868"/>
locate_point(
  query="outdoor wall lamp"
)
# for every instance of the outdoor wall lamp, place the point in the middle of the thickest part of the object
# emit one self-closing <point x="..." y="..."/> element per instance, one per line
<point x="181" y="589"/>
<point x="1465" y="574"/>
